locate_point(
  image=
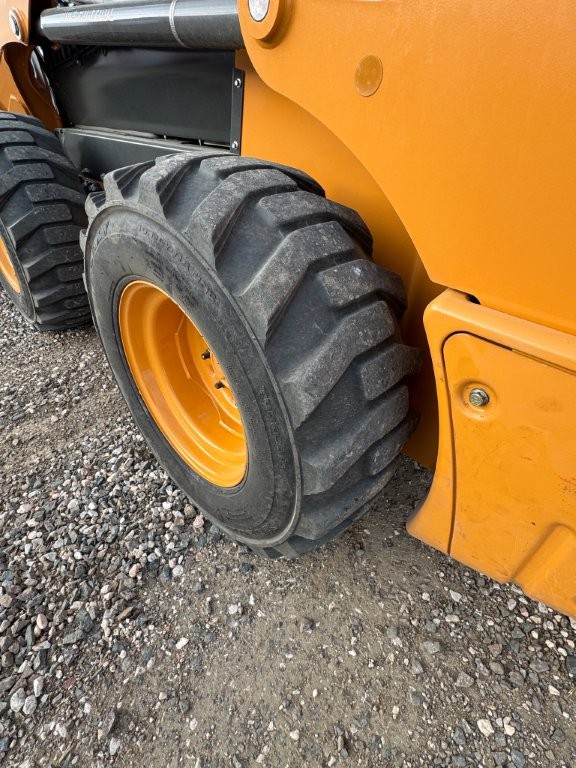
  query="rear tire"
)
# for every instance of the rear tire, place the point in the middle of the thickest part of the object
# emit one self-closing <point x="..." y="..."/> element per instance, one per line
<point x="41" y="216"/>
<point x="279" y="282"/>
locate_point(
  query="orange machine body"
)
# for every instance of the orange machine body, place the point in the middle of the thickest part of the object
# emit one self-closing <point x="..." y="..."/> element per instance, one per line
<point x="449" y="125"/>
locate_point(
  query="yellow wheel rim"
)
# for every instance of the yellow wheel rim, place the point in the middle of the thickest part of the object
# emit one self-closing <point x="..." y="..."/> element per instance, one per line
<point x="7" y="268"/>
<point x="182" y="384"/>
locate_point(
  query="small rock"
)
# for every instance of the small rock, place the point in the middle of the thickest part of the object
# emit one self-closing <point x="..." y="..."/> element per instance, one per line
<point x="485" y="727"/>
<point x="30" y="705"/>
<point x="306" y="625"/>
<point x="177" y="571"/>
<point x="17" y="700"/>
<point x="559" y="736"/>
<point x="431" y="647"/>
<point x="38" y="686"/>
<point x="198" y="522"/>
<point x="459" y="737"/>
<point x="464" y="680"/>
<point x="497" y="668"/>
<point x="518" y="758"/>
<point x="516" y="678"/>
<point x="294" y="735"/>
<point x="41" y="621"/>
<point x="416" y="698"/>
<point x="416" y="668"/>
<point x="182" y="643"/>
<point x="107" y="724"/>
<point x="571" y="665"/>
<point x="114" y="746"/>
<point x="73" y="637"/>
<point x="61" y="730"/>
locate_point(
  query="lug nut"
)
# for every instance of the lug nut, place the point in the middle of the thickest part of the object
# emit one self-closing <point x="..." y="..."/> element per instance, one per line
<point x="219" y="385"/>
<point x="479" y="397"/>
<point x="205" y="355"/>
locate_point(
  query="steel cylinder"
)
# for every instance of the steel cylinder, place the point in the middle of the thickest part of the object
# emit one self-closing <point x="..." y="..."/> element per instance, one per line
<point x="199" y="24"/>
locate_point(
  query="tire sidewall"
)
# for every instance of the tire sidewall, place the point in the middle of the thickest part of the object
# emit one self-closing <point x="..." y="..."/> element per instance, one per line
<point x="131" y="245"/>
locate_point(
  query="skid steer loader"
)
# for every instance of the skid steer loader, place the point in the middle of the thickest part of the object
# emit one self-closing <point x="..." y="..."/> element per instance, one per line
<point x="298" y="223"/>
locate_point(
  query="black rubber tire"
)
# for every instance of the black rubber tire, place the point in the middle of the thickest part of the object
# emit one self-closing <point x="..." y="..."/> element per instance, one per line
<point x="41" y="216"/>
<point x="310" y="342"/>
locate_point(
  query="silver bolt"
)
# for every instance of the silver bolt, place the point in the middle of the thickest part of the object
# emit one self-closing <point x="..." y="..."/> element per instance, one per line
<point x="259" y="9"/>
<point x="235" y="145"/>
<point x="479" y="397"/>
<point x="238" y="83"/>
<point x="14" y="24"/>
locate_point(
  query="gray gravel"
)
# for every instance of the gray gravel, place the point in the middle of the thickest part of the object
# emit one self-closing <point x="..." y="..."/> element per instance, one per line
<point x="132" y="633"/>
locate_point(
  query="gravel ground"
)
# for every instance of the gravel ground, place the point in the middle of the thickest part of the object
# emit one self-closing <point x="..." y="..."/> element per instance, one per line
<point x="132" y="632"/>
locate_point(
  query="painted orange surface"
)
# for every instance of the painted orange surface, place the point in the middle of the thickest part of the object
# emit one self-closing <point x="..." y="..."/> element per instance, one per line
<point x="503" y="498"/>
<point x="21" y="89"/>
<point x="7" y="268"/>
<point x="182" y="384"/>
<point x="470" y="135"/>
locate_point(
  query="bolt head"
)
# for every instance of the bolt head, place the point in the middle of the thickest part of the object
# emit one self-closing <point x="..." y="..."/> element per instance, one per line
<point x="238" y="83"/>
<point x="479" y="397"/>
<point x="14" y="24"/>
<point x="235" y="145"/>
<point x="259" y="9"/>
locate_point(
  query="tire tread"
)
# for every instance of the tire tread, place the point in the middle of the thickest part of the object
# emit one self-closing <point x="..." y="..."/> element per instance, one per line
<point x="42" y="211"/>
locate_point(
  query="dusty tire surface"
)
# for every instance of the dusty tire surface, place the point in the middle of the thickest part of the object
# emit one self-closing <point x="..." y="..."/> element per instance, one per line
<point x="280" y="283"/>
<point x="41" y="216"/>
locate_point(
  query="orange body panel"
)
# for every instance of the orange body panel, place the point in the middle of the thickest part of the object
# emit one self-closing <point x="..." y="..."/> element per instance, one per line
<point x="503" y="498"/>
<point x="470" y="134"/>
<point x="461" y="116"/>
<point x="22" y="90"/>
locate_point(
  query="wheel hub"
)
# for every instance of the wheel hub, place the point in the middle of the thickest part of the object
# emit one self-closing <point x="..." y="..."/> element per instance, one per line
<point x="182" y="384"/>
<point x="7" y="268"/>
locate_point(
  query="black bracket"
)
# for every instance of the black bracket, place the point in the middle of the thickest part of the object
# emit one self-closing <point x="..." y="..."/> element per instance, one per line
<point x="237" y="108"/>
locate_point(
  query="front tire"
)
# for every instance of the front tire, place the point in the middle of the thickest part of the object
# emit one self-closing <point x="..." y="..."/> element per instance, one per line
<point x="251" y="259"/>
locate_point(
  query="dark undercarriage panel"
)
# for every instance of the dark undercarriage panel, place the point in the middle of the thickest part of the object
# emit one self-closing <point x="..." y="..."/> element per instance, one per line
<point x="166" y="93"/>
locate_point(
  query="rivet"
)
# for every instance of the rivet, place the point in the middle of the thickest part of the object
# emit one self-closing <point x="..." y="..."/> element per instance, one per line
<point x="369" y="73"/>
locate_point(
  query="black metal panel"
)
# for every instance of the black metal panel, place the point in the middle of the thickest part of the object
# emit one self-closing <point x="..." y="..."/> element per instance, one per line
<point x="99" y="152"/>
<point x="179" y="94"/>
